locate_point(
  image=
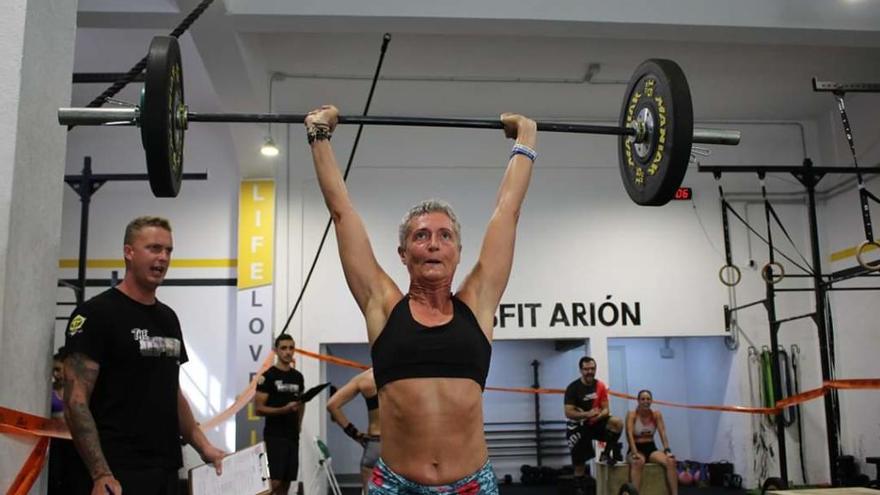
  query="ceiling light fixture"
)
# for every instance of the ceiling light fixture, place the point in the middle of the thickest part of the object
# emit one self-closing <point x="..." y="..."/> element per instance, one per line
<point x="269" y="149"/>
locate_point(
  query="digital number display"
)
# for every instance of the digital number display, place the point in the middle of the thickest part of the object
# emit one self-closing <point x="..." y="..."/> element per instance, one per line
<point x="683" y="194"/>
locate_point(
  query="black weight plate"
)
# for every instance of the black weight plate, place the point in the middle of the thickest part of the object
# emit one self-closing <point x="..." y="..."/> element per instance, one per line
<point x="654" y="170"/>
<point x="162" y="117"/>
<point x="773" y="483"/>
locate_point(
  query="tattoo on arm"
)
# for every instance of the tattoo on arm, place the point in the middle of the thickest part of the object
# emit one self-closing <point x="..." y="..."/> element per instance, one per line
<point x="80" y="374"/>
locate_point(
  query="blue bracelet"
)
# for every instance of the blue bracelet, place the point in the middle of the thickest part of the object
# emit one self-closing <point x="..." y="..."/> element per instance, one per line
<point x="521" y="149"/>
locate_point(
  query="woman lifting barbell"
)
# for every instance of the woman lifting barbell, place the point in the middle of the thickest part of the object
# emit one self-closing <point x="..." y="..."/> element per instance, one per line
<point x="430" y="347"/>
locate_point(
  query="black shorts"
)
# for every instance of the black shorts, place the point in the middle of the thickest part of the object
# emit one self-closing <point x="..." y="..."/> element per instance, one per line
<point x="64" y="463"/>
<point x="580" y="440"/>
<point x="646" y="448"/>
<point x="283" y="457"/>
<point x="148" y="481"/>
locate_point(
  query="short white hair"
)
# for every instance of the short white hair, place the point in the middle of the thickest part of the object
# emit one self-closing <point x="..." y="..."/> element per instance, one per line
<point x="423" y="208"/>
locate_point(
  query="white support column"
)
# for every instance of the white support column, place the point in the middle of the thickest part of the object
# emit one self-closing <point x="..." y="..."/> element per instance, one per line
<point x="599" y="352"/>
<point x="36" y="63"/>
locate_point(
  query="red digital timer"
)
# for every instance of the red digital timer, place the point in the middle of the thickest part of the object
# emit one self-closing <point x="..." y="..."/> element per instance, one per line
<point x="683" y="194"/>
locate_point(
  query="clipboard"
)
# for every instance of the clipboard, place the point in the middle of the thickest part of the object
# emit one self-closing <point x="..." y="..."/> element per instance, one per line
<point x="245" y="472"/>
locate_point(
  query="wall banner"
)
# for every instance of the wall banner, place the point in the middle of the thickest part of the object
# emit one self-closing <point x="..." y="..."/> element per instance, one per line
<point x="253" y="329"/>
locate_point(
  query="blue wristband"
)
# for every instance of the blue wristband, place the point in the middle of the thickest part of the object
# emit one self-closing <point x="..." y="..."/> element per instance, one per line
<point x="521" y="149"/>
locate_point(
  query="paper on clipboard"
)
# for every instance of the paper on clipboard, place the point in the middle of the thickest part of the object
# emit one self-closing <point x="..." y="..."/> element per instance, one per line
<point x="245" y="472"/>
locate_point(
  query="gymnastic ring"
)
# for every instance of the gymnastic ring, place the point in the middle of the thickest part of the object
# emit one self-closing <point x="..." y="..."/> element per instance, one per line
<point x="772" y="279"/>
<point x="861" y="250"/>
<point x="736" y="278"/>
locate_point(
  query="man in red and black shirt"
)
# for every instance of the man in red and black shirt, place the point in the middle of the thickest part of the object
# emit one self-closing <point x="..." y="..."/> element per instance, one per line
<point x="586" y="407"/>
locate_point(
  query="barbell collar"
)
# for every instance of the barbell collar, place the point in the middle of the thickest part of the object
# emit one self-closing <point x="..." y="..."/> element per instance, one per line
<point x="98" y="116"/>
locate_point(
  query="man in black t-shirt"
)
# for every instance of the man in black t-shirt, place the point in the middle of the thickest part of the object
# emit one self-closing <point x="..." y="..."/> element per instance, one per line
<point x="122" y="398"/>
<point x="589" y="418"/>
<point x="278" y="398"/>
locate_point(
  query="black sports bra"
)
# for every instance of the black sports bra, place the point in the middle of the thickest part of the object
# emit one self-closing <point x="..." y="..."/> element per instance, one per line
<point x="408" y="349"/>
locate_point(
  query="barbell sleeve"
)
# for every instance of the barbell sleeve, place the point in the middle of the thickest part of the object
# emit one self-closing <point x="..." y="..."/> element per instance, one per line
<point x="98" y="116"/>
<point x="717" y="136"/>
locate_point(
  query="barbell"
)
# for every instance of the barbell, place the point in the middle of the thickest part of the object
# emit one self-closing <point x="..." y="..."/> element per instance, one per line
<point x="655" y="126"/>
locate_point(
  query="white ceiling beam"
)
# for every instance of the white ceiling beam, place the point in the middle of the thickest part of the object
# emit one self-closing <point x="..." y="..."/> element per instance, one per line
<point x="839" y="15"/>
<point x="240" y="80"/>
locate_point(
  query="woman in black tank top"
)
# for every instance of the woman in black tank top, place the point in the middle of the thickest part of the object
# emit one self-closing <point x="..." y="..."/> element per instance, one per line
<point x="430" y="345"/>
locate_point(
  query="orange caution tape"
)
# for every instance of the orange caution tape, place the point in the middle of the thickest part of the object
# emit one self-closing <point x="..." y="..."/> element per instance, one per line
<point x="17" y="422"/>
<point x="704" y="407"/>
<point x="799" y="398"/>
<point x="61" y="432"/>
<point x="854" y="383"/>
<point x="526" y="390"/>
<point x="333" y="359"/>
<point x="864" y="383"/>
<point x="848" y="384"/>
<point x="248" y="394"/>
<point x="242" y="399"/>
<point x="30" y="470"/>
<point x="741" y="409"/>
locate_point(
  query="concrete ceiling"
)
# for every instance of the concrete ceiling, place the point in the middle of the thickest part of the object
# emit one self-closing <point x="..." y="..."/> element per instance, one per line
<point x="746" y="60"/>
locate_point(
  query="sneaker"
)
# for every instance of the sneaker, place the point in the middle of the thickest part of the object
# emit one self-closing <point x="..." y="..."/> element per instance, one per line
<point x="616" y="453"/>
<point x="607" y="458"/>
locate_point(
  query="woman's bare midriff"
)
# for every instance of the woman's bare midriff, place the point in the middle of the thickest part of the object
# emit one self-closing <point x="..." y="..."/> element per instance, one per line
<point x="432" y="429"/>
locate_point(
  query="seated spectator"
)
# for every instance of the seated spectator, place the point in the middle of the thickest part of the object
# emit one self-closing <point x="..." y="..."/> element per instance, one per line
<point x="641" y="425"/>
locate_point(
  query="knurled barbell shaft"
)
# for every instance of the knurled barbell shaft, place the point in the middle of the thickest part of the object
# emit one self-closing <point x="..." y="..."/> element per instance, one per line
<point x="282" y="118"/>
<point x="129" y="116"/>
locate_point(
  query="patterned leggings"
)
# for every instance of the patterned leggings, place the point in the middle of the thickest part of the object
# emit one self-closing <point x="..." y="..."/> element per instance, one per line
<point x="386" y="482"/>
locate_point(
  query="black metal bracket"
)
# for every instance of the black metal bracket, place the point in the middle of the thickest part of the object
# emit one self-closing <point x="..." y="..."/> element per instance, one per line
<point x="86" y="184"/>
